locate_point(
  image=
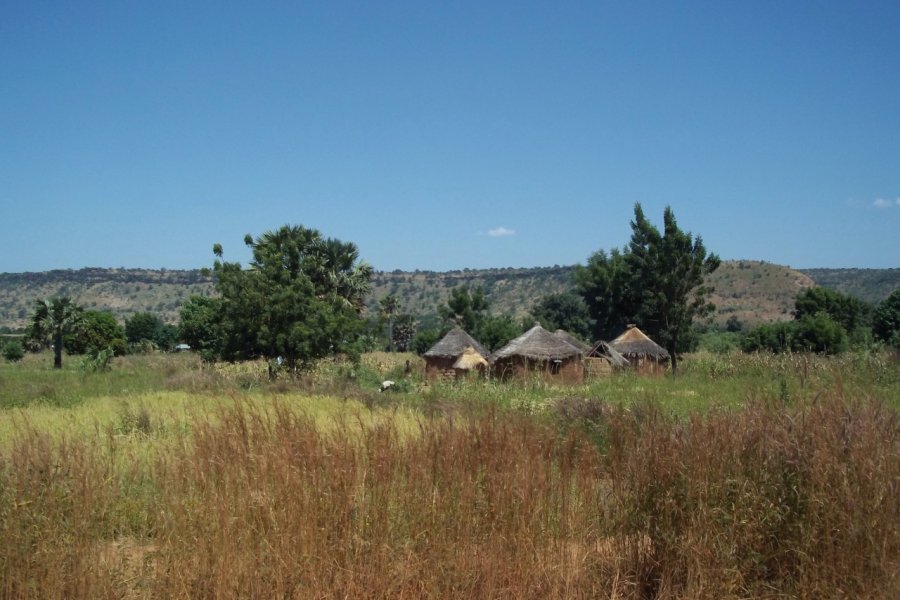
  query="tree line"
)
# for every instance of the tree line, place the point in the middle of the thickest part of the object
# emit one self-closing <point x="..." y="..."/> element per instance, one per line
<point x="301" y="298"/>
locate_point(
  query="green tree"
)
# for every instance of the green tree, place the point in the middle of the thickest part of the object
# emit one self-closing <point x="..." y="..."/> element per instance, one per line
<point x="403" y="332"/>
<point x="300" y="299"/>
<point x="566" y="311"/>
<point x="657" y="282"/>
<point x="387" y="308"/>
<point x="850" y="313"/>
<point x="819" y="333"/>
<point x="199" y="325"/>
<point x="495" y="331"/>
<point x="51" y="320"/>
<point x="886" y="320"/>
<point x="142" y="326"/>
<point x="466" y="308"/>
<point x="99" y="330"/>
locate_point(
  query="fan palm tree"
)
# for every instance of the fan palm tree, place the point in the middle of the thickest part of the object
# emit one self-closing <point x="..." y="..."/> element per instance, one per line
<point x="388" y="307"/>
<point x="52" y="319"/>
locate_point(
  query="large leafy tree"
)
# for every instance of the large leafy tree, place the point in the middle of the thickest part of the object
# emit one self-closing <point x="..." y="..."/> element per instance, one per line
<point x="657" y="282"/>
<point x="847" y="311"/>
<point x="51" y="320"/>
<point x="99" y="330"/>
<point x="199" y="325"/>
<point x="301" y="298"/>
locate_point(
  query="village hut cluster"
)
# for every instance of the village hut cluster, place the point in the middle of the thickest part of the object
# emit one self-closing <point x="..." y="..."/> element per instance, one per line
<point x="553" y="357"/>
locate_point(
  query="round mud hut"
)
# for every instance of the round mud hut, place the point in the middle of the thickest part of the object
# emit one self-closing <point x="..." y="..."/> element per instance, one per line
<point x="643" y="354"/>
<point x="537" y="352"/>
<point x="456" y="354"/>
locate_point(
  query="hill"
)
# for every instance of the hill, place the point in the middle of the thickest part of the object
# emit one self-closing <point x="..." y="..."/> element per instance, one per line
<point x="753" y="291"/>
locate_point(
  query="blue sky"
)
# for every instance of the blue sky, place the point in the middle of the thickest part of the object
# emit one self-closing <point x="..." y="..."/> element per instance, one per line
<point x="447" y="135"/>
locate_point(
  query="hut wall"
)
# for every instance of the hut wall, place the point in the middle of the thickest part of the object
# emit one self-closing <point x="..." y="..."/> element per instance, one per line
<point x="439" y="367"/>
<point x="647" y="365"/>
<point x="570" y="370"/>
<point x="442" y="368"/>
<point x="597" y="367"/>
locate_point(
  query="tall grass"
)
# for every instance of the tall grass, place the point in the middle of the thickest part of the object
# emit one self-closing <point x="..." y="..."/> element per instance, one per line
<point x="776" y="499"/>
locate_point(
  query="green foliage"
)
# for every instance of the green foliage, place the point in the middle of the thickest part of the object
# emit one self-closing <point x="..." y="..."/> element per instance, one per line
<point x="50" y="322"/>
<point x="774" y="337"/>
<point x="466" y="308"/>
<point x="566" y="311"/>
<point x="847" y="311"/>
<point x="99" y="330"/>
<point x="427" y="338"/>
<point x="656" y="283"/>
<point x="98" y="361"/>
<point x="496" y="331"/>
<point x="886" y="320"/>
<point x="13" y="351"/>
<point x="403" y="332"/>
<point x="199" y="325"/>
<point x="387" y="309"/>
<point x="300" y="299"/>
<point x="817" y="333"/>
<point x="144" y="329"/>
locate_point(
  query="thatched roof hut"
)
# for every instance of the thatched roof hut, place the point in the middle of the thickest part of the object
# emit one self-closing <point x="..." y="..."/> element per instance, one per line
<point x="539" y="351"/>
<point x="574" y="341"/>
<point x="643" y="354"/>
<point x="441" y="359"/>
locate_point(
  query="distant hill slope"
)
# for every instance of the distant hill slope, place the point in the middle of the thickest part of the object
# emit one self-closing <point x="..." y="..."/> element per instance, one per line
<point x="870" y="285"/>
<point x="753" y="291"/>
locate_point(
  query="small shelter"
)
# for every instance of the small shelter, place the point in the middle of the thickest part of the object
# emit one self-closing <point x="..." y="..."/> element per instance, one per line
<point x="456" y="354"/>
<point x="601" y="360"/>
<point x="537" y="351"/>
<point x="643" y="354"/>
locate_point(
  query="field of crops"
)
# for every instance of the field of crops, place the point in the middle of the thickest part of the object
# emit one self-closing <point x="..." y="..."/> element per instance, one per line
<point x="747" y="476"/>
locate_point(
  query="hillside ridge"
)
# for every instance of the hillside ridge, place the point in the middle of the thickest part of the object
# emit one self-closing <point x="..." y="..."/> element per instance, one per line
<point x="753" y="291"/>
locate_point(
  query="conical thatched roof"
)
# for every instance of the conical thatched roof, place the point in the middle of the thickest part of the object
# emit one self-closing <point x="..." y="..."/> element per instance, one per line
<point x="470" y="359"/>
<point x="455" y="343"/>
<point x="635" y="342"/>
<point x="572" y="340"/>
<point x="606" y="351"/>
<point x="538" y="344"/>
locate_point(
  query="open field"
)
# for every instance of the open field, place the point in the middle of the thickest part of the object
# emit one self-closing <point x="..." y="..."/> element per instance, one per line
<point x="747" y="476"/>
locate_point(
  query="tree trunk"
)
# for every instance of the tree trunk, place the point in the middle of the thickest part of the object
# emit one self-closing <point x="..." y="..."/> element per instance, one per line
<point x="57" y="350"/>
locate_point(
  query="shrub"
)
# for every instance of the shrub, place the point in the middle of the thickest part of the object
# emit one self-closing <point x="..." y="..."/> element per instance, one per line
<point x="13" y="351"/>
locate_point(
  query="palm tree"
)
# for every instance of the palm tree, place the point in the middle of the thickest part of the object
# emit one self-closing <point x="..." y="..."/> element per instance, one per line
<point x="52" y="319"/>
<point x="388" y="308"/>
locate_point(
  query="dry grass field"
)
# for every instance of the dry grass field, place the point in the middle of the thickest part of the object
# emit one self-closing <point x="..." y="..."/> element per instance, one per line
<point x="747" y="477"/>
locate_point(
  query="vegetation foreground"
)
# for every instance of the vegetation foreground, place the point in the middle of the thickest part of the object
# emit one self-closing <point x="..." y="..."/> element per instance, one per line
<point x="748" y="476"/>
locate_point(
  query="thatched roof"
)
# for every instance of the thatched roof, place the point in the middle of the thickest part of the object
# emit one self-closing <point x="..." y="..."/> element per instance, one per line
<point x="470" y="359"/>
<point x="635" y="343"/>
<point x="454" y="344"/>
<point x="572" y="340"/>
<point x="602" y="349"/>
<point x="538" y="344"/>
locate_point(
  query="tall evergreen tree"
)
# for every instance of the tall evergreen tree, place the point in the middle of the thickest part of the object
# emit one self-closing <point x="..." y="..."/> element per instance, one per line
<point x="657" y="282"/>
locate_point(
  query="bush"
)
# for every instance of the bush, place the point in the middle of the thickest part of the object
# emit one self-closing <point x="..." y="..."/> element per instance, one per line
<point x="13" y="351"/>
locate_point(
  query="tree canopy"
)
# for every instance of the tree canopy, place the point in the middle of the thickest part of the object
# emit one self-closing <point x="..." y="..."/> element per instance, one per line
<point x="656" y="282"/>
<point x="299" y="300"/>
<point x="51" y="320"/>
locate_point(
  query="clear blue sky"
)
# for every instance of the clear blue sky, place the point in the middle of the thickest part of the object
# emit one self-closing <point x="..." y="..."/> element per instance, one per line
<point x="447" y="135"/>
